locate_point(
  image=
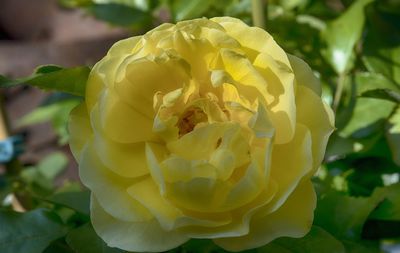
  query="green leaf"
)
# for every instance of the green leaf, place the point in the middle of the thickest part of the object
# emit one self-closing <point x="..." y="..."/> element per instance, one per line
<point x="386" y="94"/>
<point x="28" y="232"/>
<point x="183" y="9"/>
<point x="75" y="3"/>
<point x="389" y="209"/>
<point x="344" y="216"/>
<point x="50" y="77"/>
<point x="338" y="147"/>
<point x="78" y="201"/>
<point x="38" y="183"/>
<point x="85" y="240"/>
<point x="119" y="14"/>
<point x="52" y="165"/>
<point x="375" y="85"/>
<point x="367" y="81"/>
<point x="382" y="43"/>
<point x="57" y="113"/>
<point x="368" y="173"/>
<point x="317" y="240"/>
<point x="367" y="111"/>
<point x="342" y="34"/>
<point x="141" y="4"/>
<point x="48" y="112"/>
<point x="392" y="134"/>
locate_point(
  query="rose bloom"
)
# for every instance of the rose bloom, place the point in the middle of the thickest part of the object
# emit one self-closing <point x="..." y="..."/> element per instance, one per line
<point x="203" y="129"/>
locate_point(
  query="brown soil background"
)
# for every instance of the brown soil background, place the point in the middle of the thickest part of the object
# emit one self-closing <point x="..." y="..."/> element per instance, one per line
<point x="40" y="32"/>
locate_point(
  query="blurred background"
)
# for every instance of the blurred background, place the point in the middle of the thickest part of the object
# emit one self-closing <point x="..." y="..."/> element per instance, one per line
<point x="40" y="32"/>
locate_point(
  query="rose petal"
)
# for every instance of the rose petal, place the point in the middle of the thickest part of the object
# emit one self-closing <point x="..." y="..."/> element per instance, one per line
<point x="79" y="129"/>
<point x="254" y="38"/>
<point x="139" y="79"/>
<point x="125" y="46"/>
<point x="293" y="219"/>
<point x="109" y="188"/>
<point x="318" y="117"/>
<point x="122" y="123"/>
<point x="145" y="236"/>
<point x="304" y="75"/>
<point x="240" y="218"/>
<point x="280" y="81"/>
<point x="290" y="163"/>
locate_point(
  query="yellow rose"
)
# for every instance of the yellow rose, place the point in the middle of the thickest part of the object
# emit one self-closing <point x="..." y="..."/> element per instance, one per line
<point x="203" y="129"/>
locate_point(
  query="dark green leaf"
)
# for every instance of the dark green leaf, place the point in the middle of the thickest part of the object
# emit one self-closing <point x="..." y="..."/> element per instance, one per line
<point x="338" y="147"/>
<point x="386" y="94"/>
<point x="182" y="9"/>
<point x="392" y="133"/>
<point x="389" y="209"/>
<point x="200" y="245"/>
<point x="28" y="232"/>
<point x="367" y="173"/>
<point x="376" y="229"/>
<point x="78" y="201"/>
<point x="342" y="34"/>
<point x="85" y="240"/>
<point x="317" y="240"/>
<point x="382" y="44"/>
<point x="119" y="14"/>
<point x="59" y="246"/>
<point x="69" y="80"/>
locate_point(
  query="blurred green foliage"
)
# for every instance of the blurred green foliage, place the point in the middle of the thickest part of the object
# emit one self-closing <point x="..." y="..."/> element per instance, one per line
<point x="352" y="46"/>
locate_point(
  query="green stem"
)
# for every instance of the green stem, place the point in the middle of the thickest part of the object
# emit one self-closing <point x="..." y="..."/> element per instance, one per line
<point x="338" y="92"/>
<point x="258" y="7"/>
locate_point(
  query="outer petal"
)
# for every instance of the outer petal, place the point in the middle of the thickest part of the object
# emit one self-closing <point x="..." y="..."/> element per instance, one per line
<point x="109" y="188"/>
<point x="80" y="129"/>
<point x="101" y="77"/>
<point x="125" y="159"/>
<point x="318" y="117"/>
<point x="103" y="73"/>
<point x="170" y="217"/>
<point x="125" y="46"/>
<point x="304" y="75"/>
<point x="240" y="218"/>
<point x="147" y="236"/>
<point x="293" y="219"/>
<point x="290" y="163"/>
<point x="280" y="79"/>
<point x="253" y="38"/>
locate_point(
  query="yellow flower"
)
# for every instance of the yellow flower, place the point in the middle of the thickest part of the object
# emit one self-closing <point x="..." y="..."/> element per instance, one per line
<point x="203" y="129"/>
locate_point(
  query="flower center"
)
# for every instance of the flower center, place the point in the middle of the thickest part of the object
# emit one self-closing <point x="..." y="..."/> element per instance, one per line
<point x="189" y="119"/>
